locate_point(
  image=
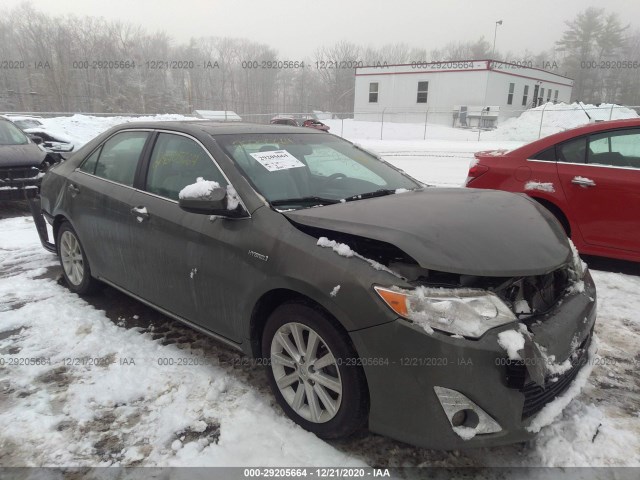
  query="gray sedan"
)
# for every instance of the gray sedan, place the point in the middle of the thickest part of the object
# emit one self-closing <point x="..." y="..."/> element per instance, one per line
<point x="439" y="317"/>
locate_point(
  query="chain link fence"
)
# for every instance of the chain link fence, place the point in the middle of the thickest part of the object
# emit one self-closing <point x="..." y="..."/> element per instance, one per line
<point x="481" y="122"/>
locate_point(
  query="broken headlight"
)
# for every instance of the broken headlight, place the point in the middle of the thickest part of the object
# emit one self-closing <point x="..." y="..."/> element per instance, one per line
<point x="578" y="267"/>
<point x="459" y="311"/>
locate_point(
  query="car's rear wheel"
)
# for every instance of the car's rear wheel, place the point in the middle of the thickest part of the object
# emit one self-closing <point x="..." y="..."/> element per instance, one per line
<point x="75" y="266"/>
<point x="314" y="371"/>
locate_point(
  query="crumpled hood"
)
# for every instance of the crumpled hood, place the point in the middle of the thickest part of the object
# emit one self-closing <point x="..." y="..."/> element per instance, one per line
<point x="21" y="155"/>
<point x="456" y="230"/>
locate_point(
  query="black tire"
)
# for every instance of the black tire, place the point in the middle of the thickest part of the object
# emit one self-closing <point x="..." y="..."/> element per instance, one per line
<point x="353" y="410"/>
<point x="79" y="280"/>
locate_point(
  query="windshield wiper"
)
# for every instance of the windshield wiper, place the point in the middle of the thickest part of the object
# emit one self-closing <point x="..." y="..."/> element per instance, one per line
<point x="377" y="193"/>
<point x="305" y="201"/>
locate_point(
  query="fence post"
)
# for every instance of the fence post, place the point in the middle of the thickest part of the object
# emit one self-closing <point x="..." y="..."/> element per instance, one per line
<point x="426" y="115"/>
<point x="382" y="123"/>
<point x="541" y="117"/>
<point x="480" y="122"/>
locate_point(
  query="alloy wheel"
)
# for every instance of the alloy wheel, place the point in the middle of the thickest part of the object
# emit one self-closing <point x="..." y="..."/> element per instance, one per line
<point x="306" y="372"/>
<point x="71" y="256"/>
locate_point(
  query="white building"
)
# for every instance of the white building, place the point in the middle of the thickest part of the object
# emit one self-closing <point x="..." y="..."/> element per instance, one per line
<point x="460" y="93"/>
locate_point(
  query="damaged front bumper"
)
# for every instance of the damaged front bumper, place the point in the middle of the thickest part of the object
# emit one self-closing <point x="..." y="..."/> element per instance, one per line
<point x="43" y="223"/>
<point x="19" y="183"/>
<point x="438" y="391"/>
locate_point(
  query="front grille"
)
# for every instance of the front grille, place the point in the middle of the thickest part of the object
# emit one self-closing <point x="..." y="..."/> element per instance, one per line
<point x="540" y="292"/>
<point x="16" y="182"/>
<point x="536" y="396"/>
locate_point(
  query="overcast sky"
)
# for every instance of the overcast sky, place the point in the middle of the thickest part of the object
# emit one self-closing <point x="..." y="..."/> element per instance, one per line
<point x="295" y="28"/>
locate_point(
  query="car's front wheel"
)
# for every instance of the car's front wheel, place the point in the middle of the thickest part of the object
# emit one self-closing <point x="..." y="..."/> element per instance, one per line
<point x="314" y="372"/>
<point x="75" y="266"/>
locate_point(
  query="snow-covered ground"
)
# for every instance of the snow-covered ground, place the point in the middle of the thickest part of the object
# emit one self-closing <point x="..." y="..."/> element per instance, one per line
<point x="123" y="385"/>
<point x="119" y="384"/>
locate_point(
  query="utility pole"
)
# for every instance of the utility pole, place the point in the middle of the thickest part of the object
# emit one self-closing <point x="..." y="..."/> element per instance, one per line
<point x="495" y="34"/>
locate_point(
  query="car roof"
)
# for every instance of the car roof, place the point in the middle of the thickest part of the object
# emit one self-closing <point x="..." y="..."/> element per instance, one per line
<point x="215" y="128"/>
<point x="11" y="116"/>
<point x="596" y="127"/>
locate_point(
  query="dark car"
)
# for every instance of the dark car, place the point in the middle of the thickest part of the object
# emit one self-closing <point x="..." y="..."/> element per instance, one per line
<point x="51" y="141"/>
<point x="440" y="317"/>
<point x="588" y="177"/>
<point x="284" y="120"/>
<point x="21" y="163"/>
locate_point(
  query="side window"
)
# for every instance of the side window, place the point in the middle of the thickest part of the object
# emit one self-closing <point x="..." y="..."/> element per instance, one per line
<point x="549" y="155"/>
<point x="119" y="157"/>
<point x="89" y="165"/>
<point x="573" y="151"/>
<point x="176" y="162"/>
<point x="617" y="149"/>
<point x="373" y="92"/>
<point x="423" y="92"/>
<point x="512" y="87"/>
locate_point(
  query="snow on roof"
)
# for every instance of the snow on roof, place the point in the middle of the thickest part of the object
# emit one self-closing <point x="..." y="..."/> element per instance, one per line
<point x="220" y="115"/>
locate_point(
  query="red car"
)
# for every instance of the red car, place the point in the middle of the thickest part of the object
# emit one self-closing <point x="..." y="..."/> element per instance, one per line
<point x="588" y="177"/>
<point x="318" y="125"/>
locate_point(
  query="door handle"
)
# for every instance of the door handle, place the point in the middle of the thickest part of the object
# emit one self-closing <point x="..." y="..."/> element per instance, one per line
<point x="583" y="182"/>
<point x="73" y="189"/>
<point x="140" y="213"/>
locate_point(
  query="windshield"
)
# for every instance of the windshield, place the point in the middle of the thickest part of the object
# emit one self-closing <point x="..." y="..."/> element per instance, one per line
<point x="294" y="170"/>
<point x="11" y="135"/>
<point x="27" y="123"/>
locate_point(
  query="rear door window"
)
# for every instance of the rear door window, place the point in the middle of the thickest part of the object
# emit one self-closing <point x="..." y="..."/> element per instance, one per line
<point x="573" y="151"/>
<point x="119" y="156"/>
<point x="616" y="149"/>
<point x="549" y="155"/>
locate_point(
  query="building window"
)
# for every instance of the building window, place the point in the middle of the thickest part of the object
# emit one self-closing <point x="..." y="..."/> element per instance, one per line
<point x="373" y="92"/>
<point x="541" y="96"/>
<point x="512" y="87"/>
<point x="548" y="95"/>
<point x="423" y="92"/>
<point x="555" y="97"/>
<point x="525" y="95"/>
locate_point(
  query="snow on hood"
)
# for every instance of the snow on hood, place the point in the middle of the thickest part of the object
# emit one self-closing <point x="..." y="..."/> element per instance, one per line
<point x="465" y="231"/>
<point x="58" y="137"/>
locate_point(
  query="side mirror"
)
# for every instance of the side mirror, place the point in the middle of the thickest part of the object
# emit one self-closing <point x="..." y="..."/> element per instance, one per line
<point x="207" y="199"/>
<point x="35" y="138"/>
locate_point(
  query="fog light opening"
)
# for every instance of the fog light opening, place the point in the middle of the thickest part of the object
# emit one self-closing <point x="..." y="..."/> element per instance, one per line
<point x="465" y="418"/>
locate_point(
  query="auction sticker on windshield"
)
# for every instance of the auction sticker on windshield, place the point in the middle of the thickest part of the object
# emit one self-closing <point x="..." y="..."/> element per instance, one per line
<point x="277" y="160"/>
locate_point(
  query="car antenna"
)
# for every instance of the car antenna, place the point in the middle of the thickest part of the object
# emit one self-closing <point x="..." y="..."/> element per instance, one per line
<point x="585" y="111"/>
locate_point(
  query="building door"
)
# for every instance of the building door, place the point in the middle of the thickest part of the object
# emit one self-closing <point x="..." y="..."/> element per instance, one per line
<point x="534" y="101"/>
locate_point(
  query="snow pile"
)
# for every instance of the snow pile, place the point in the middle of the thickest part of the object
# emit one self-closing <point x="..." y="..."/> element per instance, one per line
<point x="201" y="189"/>
<point x="513" y="342"/>
<point x="540" y="186"/>
<point x="233" y="199"/>
<point x="344" y="250"/>
<point x="554" y="409"/>
<point x="555" y="118"/>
